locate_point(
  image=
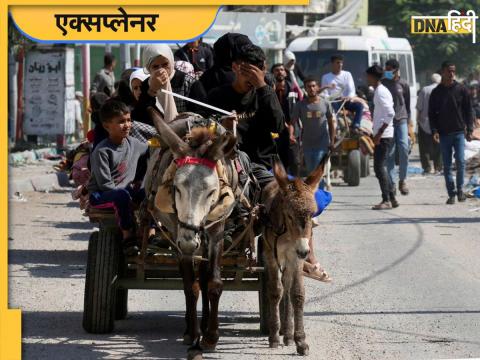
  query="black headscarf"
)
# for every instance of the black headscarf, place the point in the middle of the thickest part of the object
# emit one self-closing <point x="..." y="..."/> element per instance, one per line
<point x="224" y="50"/>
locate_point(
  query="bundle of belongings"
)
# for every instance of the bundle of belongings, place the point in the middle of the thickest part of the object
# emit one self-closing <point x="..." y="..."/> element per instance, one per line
<point x="75" y="164"/>
<point x="365" y="131"/>
<point x="472" y="162"/>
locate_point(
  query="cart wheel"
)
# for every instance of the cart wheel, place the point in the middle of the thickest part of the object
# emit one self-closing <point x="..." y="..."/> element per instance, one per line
<point x="262" y="292"/>
<point x="102" y="267"/>
<point x="354" y="168"/>
<point x="365" y="165"/>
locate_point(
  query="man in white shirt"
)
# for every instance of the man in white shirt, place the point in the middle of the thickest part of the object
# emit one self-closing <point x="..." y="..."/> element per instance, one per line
<point x="382" y="136"/>
<point x="340" y="82"/>
<point x="429" y="150"/>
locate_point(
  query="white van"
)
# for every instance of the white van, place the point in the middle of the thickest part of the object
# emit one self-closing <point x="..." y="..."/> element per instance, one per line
<point x="361" y="48"/>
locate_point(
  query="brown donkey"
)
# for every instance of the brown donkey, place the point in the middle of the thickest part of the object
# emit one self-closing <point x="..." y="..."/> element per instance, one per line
<point x="289" y="205"/>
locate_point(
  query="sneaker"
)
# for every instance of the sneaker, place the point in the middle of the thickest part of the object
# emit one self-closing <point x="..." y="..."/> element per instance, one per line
<point x="384" y="205"/>
<point x="402" y="186"/>
<point x="461" y="196"/>
<point x="451" y="200"/>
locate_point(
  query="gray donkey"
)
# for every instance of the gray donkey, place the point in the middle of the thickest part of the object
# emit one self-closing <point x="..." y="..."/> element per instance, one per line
<point x="289" y="206"/>
<point x="195" y="191"/>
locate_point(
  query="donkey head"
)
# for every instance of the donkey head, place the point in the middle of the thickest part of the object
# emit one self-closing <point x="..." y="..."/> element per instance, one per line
<point x="196" y="184"/>
<point x="296" y="206"/>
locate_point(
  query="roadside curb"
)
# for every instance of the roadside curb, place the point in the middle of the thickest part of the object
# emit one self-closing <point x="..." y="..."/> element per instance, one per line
<point x="45" y="182"/>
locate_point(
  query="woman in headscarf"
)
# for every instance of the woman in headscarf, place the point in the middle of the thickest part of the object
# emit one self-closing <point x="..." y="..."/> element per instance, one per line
<point x="223" y="51"/>
<point x="292" y="72"/>
<point x="137" y="77"/>
<point x="158" y="63"/>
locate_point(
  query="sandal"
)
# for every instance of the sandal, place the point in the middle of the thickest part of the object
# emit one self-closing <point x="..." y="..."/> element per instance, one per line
<point x="315" y="272"/>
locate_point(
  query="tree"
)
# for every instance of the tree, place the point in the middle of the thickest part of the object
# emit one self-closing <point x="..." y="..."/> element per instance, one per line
<point x="429" y="50"/>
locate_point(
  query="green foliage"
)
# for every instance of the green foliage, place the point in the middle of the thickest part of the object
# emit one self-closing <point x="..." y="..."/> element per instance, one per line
<point x="15" y="39"/>
<point x="429" y="50"/>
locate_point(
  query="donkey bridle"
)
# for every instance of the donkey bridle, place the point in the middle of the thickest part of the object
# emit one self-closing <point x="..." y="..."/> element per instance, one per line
<point x="275" y="239"/>
<point x="189" y="160"/>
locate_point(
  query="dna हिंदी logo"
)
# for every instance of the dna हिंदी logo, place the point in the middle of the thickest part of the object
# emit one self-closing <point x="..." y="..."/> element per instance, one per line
<point x="455" y="22"/>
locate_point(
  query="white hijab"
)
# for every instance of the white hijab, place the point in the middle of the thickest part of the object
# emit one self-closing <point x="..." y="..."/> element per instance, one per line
<point x="289" y="56"/>
<point x="137" y="74"/>
<point x="164" y="102"/>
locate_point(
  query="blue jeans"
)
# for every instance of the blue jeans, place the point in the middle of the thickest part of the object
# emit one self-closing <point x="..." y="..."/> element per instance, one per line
<point x="122" y="199"/>
<point x="449" y="143"/>
<point x="312" y="158"/>
<point x="354" y="107"/>
<point x="401" y="143"/>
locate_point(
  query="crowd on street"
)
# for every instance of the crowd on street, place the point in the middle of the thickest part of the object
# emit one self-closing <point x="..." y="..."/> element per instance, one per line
<point x="277" y="111"/>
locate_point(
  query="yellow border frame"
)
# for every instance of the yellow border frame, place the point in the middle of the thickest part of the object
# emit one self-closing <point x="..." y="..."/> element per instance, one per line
<point x="10" y="319"/>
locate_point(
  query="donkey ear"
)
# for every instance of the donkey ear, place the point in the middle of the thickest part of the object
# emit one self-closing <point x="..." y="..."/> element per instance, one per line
<point x="280" y="174"/>
<point x="178" y="147"/>
<point x="222" y="146"/>
<point x="313" y="180"/>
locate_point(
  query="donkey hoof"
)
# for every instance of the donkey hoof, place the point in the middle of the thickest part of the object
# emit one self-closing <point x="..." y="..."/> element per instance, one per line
<point x="274" y="344"/>
<point x="194" y="354"/>
<point x="287" y="341"/>
<point x="187" y="340"/>
<point x="207" y="345"/>
<point x="303" y="349"/>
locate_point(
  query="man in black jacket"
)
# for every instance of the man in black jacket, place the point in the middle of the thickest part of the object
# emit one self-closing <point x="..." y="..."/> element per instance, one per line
<point x="451" y="121"/>
<point x="257" y="108"/>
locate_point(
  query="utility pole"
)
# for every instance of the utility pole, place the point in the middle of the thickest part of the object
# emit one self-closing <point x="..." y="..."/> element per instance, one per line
<point x="125" y="62"/>
<point x="19" y="128"/>
<point x="86" y="87"/>
<point x="136" y="60"/>
<point x="12" y="95"/>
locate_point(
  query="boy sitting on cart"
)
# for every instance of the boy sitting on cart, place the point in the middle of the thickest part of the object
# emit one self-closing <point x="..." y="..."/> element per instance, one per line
<point x="118" y="165"/>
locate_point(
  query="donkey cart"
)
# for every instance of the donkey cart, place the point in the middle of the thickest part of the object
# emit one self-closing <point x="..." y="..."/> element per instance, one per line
<point x="348" y="158"/>
<point x="110" y="274"/>
<point x="347" y="155"/>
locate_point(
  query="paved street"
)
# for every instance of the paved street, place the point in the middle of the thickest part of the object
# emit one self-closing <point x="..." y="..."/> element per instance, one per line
<point x="406" y="285"/>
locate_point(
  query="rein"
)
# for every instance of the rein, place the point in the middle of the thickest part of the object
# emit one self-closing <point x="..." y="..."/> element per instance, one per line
<point x="275" y="240"/>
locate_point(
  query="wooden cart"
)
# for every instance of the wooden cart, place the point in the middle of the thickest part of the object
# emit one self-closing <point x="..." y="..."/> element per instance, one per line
<point x="348" y="158"/>
<point x="110" y="275"/>
<point x="347" y="155"/>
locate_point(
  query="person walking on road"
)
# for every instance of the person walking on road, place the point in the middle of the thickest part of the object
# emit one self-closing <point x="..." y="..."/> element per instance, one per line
<point x="402" y="124"/>
<point x="104" y="80"/>
<point x="318" y="133"/>
<point x="288" y="143"/>
<point x="451" y="121"/>
<point x="429" y="150"/>
<point x="382" y="136"/>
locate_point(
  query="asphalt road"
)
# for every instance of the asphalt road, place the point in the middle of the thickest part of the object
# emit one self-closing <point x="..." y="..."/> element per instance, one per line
<point x="406" y="285"/>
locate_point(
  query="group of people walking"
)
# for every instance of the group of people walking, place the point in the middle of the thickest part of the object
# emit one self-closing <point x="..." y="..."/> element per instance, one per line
<point x="445" y="121"/>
